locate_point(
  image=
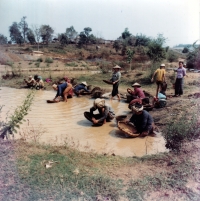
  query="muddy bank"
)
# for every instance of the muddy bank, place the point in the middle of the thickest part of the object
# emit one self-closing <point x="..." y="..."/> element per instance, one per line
<point x="61" y="123"/>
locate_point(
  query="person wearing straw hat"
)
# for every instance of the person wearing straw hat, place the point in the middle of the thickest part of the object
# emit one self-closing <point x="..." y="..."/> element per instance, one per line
<point x="106" y="113"/>
<point x="30" y="82"/>
<point x="160" y="77"/>
<point x="79" y="87"/>
<point x="137" y="94"/>
<point x="116" y="76"/>
<point x="142" y="120"/>
<point x="62" y="91"/>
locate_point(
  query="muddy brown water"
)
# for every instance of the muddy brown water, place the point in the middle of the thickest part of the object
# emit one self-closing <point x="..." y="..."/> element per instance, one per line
<point x="61" y="123"/>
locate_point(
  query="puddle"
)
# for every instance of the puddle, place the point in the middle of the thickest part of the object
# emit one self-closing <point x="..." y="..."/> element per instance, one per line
<point x="64" y="122"/>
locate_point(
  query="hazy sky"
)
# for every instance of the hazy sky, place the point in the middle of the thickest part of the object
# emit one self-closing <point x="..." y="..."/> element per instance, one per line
<point x="177" y="20"/>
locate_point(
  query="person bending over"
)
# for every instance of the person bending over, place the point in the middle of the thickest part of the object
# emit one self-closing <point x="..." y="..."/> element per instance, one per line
<point x="30" y="82"/>
<point x="137" y="95"/>
<point x="79" y="87"/>
<point x="62" y="91"/>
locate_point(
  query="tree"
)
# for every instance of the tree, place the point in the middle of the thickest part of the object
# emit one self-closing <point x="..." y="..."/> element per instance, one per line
<point x="71" y="33"/>
<point x="142" y="40"/>
<point x="15" y="33"/>
<point x="63" y="39"/>
<point x="30" y="36"/>
<point x="155" y="50"/>
<point x="24" y="28"/>
<point x="185" y="50"/>
<point x="37" y="34"/>
<point x="116" y="45"/>
<point x="84" y="36"/>
<point x="130" y="54"/>
<point x="46" y="33"/>
<point x="126" y="33"/>
<point x="3" y="39"/>
<point x="92" y="39"/>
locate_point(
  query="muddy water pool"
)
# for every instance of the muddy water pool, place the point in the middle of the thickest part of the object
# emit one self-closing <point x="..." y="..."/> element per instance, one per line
<point x="61" y="123"/>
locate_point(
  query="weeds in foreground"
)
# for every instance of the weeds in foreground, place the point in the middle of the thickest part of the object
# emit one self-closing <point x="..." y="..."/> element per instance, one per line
<point x="186" y="128"/>
<point x="17" y="117"/>
<point x="82" y="176"/>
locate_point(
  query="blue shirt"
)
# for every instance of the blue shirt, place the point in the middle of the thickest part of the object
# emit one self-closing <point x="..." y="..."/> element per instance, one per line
<point x="80" y="86"/>
<point x="61" y="89"/>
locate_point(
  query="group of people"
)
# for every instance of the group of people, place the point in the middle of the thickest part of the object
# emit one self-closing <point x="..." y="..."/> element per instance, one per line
<point x="34" y="82"/>
<point x="66" y="90"/>
<point x="141" y="119"/>
<point x="161" y="79"/>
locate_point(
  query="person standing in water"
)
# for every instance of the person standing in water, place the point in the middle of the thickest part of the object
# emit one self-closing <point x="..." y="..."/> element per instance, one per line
<point x="116" y="76"/>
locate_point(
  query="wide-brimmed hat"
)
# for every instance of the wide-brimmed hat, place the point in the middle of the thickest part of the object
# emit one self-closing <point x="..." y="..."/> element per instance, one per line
<point x="54" y="85"/>
<point x="136" y="85"/>
<point x="99" y="103"/>
<point x="137" y="107"/>
<point x="162" y="65"/>
<point x="85" y="83"/>
<point x="115" y="67"/>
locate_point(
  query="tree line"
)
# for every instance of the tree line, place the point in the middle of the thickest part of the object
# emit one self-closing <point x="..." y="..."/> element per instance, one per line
<point x="127" y="43"/>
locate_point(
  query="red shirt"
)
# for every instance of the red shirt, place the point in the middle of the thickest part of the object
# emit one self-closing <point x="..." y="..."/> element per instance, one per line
<point x="139" y="92"/>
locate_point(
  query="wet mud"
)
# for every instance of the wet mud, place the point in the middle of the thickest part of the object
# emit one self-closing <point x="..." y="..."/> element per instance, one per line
<point x="61" y="123"/>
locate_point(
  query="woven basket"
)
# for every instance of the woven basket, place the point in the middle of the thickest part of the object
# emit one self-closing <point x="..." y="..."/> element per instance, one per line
<point x="128" y="129"/>
<point x="120" y="117"/>
<point x="52" y="101"/>
<point x="107" y="82"/>
<point x="148" y="107"/>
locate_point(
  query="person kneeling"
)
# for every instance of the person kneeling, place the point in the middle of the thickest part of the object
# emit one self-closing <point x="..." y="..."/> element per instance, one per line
<point x="142" y="120"/>
<point x="62" y="91"/>
<point x="105" y="112"/>
<point x="30" y="82"/>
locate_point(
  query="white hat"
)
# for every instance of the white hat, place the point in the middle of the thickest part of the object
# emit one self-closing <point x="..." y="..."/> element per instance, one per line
<point x="136" y="85"/>
<point x="85" y="83"/>
<point x="162" y="65"/>
<point x="54" y="85"/>
<point x="117" y="66"/>
<point x="99" y="103"/>
<point x="30" y="76"/>
<point x="137" y="107"/>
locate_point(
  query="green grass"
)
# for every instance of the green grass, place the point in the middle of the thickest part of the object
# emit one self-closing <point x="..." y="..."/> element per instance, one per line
<point x="72" y="64"/>
<point x="81" y="175"/>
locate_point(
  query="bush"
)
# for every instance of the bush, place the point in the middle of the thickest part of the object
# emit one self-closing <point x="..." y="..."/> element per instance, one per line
<point x="171" y="56"/>
<point x="178" y="131"/>
<point x="37" y="64"/>
<point x="40" y="60"/>
<point x="49" y="60"/>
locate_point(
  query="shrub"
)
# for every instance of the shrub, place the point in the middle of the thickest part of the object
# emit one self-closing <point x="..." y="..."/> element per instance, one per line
<point x="178" y="131"/>
<point x="171" y="56"/>
<point x="49" y="60"/>
<point x="37" y="64"/>
<point x="40" y="60"/>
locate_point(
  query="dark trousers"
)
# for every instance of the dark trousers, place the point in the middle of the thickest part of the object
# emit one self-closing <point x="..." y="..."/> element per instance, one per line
<point x="115" y="89"/>
<point x="179" y="86"/>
